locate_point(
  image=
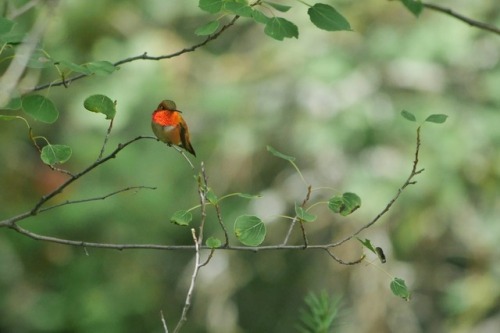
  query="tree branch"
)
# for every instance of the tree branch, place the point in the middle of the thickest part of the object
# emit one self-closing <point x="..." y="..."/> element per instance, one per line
<point x="471" y="22"/>
<point x="143" y="56"/>
<point x="187" y="303"/>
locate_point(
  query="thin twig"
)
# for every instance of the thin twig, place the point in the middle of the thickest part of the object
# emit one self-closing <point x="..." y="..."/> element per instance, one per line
<point x="409" y="181"/>
<point x="72" y="202"/>
<point x="143" y="56"/>
<point x="106" y="139"/>
<point x="296" y="218"/>
<point x="217" y="208"/>
<point x="340" y="261"/>
<point x="165" y="328"/>
<point x="183" y="154"/>
<point x="187" y="303"/>
<point x="471" y="22"/>
<point x="75" y="177"/>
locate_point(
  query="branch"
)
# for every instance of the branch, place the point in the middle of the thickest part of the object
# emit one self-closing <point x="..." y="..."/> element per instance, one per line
<point x="71" y="202"/>
<point x="11" y="223"/>
<point x="409" y="181"/>
<point x="187" y="303"/>
<point x="143" y="56"/>
<point x="38" y="207"/>
<point x="471" y="22"/>
<point x="216" y="205"/>
<point x="340" y="261"/>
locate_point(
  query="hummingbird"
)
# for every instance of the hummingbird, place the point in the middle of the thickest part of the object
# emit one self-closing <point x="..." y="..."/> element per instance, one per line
<point x="169" y="126"/>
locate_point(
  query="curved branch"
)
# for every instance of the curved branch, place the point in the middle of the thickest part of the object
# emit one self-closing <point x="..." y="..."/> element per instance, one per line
<point x="143" y="56"/>
<point x="471" y="22"/>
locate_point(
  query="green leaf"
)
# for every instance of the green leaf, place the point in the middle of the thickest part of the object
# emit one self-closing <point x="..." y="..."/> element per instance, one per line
<point x="211" y="6"/>
<point x="260" y="17"/>
<point x="399" y="288"/>
<point x="248" y="196"/>
<point x="436" y="118"/>
<point x="414" y="6"/>
<point x="238" y="8"/>
<point x="280" y="155"/>
<point x="75" y="67"/>
<point x="327" y="18"/>
<point x="213" y="242"/>
<point x="368" y="244"/>
<point x="40" y="108"/>
<point x="408" y="115"/>
<point x="5" y="25"/>
<point x="100" y="104"/>
<point x="101" y="67"/>
<point x="181" y="217"/>
<point x="53" y="154"/>
<point x="212" y="197"/>
<point x="280" y="28"/>
<point x="250" y="230"/>
<point x="278" y="6"/>
<point x="304" y="215"/>
<point x="345" y="204"/>
<point x="12" y="37"/>
<point x="207" y="29"/>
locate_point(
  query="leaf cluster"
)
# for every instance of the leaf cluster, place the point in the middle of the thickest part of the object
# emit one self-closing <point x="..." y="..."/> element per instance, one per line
<point x="322" y="15"/>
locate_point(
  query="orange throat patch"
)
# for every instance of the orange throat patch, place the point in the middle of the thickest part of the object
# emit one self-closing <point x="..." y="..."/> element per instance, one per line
<point x="166" y="118"/>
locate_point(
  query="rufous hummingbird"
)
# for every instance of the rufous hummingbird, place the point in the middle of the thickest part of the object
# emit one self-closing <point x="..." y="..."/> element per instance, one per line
<point x="169" y="126"/>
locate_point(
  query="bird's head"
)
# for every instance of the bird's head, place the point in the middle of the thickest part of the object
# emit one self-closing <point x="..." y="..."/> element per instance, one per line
<point x="167" y="105"/>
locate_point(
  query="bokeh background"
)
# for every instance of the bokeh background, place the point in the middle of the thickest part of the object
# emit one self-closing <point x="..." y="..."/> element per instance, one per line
<point x="332" y="100"/>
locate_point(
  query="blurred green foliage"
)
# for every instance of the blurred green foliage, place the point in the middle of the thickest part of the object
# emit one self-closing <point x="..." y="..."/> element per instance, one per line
<point x="332" y="100"/>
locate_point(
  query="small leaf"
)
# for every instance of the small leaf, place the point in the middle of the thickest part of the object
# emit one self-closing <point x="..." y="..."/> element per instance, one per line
<point x="345" y="204"/>
<point x="181" y="217"/>
<point x="100" y="104"/>
<point x="75" y="67"/>
<point x="368" y="244"/>
<point x="250" y="230"/>
<point x="280" y="28"/>
<point x="436" y="118"/>
<point x="211" y="6"/>
<point x="212" y="197"/>
<point x="248" y="196"/>
<point x="327" y="18"/>
<point x="238" y="8"/>
<point x="6" y="25"/>
<point x="101" y="67"/>
<point x="408" y="115"/>
<point x="40" y="108"/>
<point x="207" y="29"/>
<point x="53" y="154"/>
<point x="278" y="6"/>
<point x="399" y="288"/>
<point x="260" y="17"/>
<point x="279" y="155"/>
<point x="414" y="6"/>
<point x="213" y="242"/>
<point x="304" y="215"/>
